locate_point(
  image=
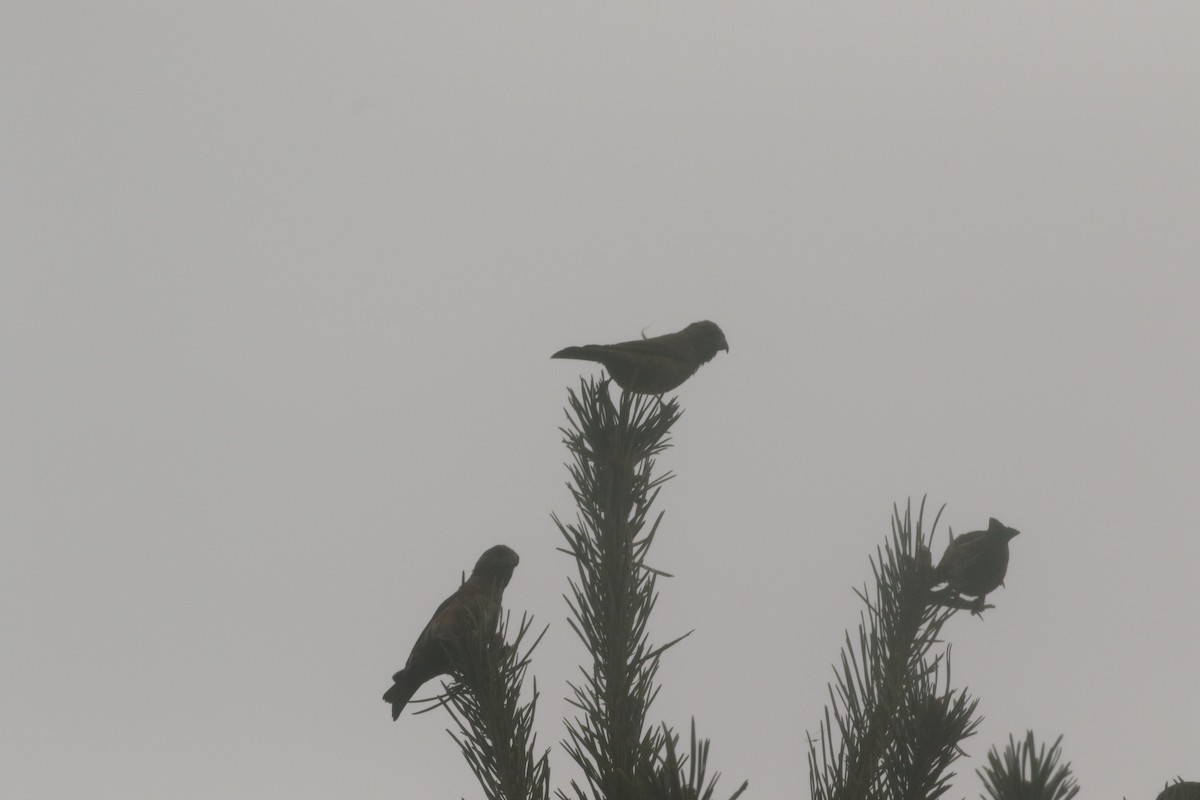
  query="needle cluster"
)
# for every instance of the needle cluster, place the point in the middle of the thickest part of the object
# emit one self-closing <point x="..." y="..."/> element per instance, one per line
<point x="894" y="723"/>
<point x="612" y="595"/>
<point x="495" y="729"/>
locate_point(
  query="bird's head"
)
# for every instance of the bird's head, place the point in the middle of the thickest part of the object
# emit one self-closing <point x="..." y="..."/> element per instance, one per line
<point x="708" y="336"/>
<point x="998" y="528"/>
<point x="497" y="563"/>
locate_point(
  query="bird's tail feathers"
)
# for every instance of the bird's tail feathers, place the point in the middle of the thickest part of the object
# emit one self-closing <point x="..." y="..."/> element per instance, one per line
<point x="585" y="353"/>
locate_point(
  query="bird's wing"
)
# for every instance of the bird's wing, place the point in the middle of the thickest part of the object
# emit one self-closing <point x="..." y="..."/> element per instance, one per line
<point x="970" y="539"/>
<point x="445" y="603"/>
<point x="972" y="546"/>
<point x="669" y="345"/>
<point x="464" y="611"/>
<point x="960" y="551"/>
<point x="441" y="621"/>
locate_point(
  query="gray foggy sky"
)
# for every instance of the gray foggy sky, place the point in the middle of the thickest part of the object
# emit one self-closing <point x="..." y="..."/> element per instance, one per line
<point x="281" y="281"/>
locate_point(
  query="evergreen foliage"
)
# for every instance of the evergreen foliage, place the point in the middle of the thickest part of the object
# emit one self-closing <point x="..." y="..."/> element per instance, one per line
<point x="611" y="599"/>
<point x="1028" y="773"/>
<point x="495" y="729"/>
<point x="894" y="723"/>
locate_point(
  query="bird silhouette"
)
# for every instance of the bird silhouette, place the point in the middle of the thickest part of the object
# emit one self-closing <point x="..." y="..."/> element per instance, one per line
<point x="975" y="563"/>
<point x="658" y="364"/>
<point x="472" y="611"/>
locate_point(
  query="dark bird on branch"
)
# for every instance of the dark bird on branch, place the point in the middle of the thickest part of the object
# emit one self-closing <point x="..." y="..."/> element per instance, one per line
<point x="975" y="563"/>
<point x="472" y="611"/>
<point x="658" y="364"/>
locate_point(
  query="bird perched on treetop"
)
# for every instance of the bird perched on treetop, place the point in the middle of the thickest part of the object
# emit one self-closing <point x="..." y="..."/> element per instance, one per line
<point x="975" y="563"/>
<point x="658" y="364"/>
<point x="473" y="610"/>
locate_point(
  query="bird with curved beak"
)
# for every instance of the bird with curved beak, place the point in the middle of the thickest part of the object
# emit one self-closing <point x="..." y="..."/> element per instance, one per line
<point x="974" y="564"/>
<point x="658" y="364"/>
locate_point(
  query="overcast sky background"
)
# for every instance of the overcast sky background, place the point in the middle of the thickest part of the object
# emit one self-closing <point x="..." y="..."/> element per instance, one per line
<point x="280" y="284"/>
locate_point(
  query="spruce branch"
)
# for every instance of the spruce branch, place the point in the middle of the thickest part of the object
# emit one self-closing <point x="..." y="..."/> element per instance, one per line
<point x="893" y="726"/>
<point x="613" y="593"/>
<point x="495" y="730"/>
<point x="1025" y="772"/>
<point x="682" y="777"/>
<point x="925" y="737"/>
